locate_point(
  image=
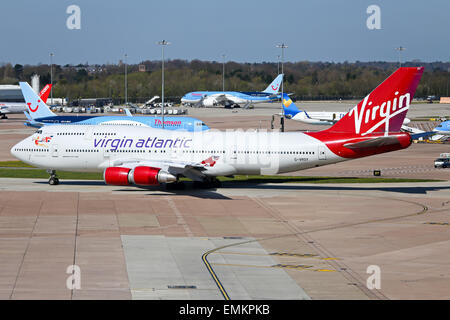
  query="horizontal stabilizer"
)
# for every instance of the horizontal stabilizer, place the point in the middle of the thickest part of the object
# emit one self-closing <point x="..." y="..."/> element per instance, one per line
<point x="28" y="116"/>
<point x="373" y="143"/>
<point x="416" y="136"/>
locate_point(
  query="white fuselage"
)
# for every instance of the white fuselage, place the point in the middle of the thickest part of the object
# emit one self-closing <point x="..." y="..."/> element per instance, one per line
<point x="12" y="107"/>
<point x="319" y="117"/>
<point x="94" y="148"/>
<point x="325" y="117"/>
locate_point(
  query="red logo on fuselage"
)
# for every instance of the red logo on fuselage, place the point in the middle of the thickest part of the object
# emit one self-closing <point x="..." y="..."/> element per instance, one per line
<point x="210" y="162"/>
<point x="42" y="141"/>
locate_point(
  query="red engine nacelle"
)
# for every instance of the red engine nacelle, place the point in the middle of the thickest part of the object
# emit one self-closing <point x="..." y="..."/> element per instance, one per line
<point x="142" y="175"/>
<point x="145" y="176"/>
<point x="117" y="176"/>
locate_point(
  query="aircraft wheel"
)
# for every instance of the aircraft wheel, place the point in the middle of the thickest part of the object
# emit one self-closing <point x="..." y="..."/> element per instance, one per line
<point x="198" y="184"/>
<point x="216" y="183"/>
<point x="53" y="181"/>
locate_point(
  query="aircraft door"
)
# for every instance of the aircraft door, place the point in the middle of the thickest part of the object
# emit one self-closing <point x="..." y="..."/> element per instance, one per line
<point x="88" y="134"/>
<point x="322" y="153"/>
<point x="176" y="153"/>
<point x="54" y="151"/>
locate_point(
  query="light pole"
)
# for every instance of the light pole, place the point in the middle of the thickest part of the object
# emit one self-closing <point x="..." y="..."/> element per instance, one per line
<point x="126" y="84"/>
<point x="51" y="77"/>
<point x="282" y="46"/>
<point x="400" y="49"/>
<point x="162" y="44"/>
<point x="278" y="64"/>
<point x="223" y="72"/>
<point x="448" y="74"/>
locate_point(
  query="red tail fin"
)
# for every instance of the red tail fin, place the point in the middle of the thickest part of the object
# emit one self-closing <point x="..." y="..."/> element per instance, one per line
<point x="385" y="108"/>
<point x="45" y="93"/>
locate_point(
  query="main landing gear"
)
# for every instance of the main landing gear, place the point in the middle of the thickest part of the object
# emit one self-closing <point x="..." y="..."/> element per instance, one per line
<point x="210" y="182"/>
<point x="178" y="185"/>
<point x="4" y="116"/>
<point x="53" y="181"/>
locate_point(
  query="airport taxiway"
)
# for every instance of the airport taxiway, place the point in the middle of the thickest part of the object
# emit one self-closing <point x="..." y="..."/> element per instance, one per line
<point x="295" y="241"/>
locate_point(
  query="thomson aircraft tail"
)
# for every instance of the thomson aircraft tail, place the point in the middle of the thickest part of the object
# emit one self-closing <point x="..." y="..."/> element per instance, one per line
<point x="274" y="87"/>
<point x="36" y="105"/>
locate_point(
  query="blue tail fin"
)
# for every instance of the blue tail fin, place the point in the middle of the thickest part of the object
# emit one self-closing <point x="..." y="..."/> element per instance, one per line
<point x="36" y="107"/>
<point x="289" y="107"/>
<point x="274" y="87"/>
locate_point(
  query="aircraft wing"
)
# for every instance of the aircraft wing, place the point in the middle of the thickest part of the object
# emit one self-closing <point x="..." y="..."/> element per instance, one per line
<point x="423" y="135"/>
<point x="373" y="143"/>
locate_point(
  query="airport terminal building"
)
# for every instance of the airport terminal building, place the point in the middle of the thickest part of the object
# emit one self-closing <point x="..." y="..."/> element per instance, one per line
<point x="10" y="93"/>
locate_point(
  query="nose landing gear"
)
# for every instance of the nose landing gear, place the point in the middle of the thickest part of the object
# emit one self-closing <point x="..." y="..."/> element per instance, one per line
<point x="53" y="181"/>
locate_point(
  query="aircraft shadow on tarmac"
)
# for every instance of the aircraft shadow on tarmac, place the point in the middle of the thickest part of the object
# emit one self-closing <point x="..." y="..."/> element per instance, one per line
<point x="156" y="190"/>
<point x="324" y="187"/>
<point x="196" y="193"/>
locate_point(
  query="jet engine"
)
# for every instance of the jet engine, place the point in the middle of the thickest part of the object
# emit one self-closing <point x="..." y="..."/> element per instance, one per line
<point x="209" y="102"/>
<point x="142" y="175"/>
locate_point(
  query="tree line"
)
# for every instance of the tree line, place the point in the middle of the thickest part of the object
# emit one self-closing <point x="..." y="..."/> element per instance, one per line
<point x="305" y="80"/>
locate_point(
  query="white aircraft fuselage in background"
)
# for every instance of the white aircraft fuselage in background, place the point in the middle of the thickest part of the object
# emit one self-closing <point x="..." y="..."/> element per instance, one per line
<point x="11" y="108"/>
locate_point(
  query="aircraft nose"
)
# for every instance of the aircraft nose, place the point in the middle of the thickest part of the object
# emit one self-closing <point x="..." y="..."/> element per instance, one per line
<point x="15" y="151"/>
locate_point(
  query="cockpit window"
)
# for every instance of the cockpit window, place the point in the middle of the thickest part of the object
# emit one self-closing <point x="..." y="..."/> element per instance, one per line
<point x="38" y="131"/>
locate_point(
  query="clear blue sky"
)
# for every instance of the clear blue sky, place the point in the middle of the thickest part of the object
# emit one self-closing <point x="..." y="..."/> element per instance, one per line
<point x="243" y="30"/>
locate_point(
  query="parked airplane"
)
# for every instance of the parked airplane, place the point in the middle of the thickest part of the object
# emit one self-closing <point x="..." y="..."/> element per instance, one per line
<point x="19" y="107"/>
<point x="40" y="115"/>
<point x="322" y="117"/>
<point x="147" y="156"/>
<point x="230" y="99"/>
<point x="443" y="128"/>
